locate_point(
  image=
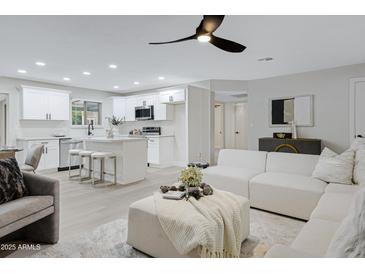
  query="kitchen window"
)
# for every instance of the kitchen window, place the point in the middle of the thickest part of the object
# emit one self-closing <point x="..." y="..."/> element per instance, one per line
<point x="86" y="112"/>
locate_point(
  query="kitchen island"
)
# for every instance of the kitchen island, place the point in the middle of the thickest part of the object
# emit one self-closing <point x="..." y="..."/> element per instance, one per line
<point x="131" y="153"/>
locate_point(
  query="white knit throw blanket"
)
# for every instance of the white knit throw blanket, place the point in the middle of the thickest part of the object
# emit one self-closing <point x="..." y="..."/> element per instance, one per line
<point x="212" y="225"/>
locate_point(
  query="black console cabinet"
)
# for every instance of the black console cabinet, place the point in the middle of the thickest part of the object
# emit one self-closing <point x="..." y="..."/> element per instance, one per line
<point x="304" y="146"/>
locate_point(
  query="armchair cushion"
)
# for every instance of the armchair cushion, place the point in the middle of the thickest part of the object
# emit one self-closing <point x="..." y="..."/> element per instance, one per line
<point x="11" y="181"/>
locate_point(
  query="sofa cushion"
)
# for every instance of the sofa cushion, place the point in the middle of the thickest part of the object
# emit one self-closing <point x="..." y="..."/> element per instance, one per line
<point x="301" y="164"/>
<point x="14" y="210"/>
<point x="248" y="159"/>
<point x="335" y="168"/>
<point x="288" y="194"/>
<point x="230" y="179"/>
<point x="333" y="206"/>
<point x="349" y="239"/>
<point x="342" y="188"/>
<point x="315" y="237"/>
<point x="11" y="181"/>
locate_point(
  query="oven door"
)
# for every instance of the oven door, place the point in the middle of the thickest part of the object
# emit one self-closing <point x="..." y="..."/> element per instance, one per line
<point x="144" y="113"/>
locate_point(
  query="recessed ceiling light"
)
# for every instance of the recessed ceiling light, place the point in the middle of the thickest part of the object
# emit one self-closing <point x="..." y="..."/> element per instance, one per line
<point x="22" y="71"/>
<point x="136" y="82"/>
<point x="204" y="38"/>
<point x="161" y="78"/>
<point x="116" y="87"/>
<point x="265" y="59"/>
<point x="113" y="66"/>
<point x="86" y="73"/>
<point x="40" y="64"/>
<point x="66" y="78"/>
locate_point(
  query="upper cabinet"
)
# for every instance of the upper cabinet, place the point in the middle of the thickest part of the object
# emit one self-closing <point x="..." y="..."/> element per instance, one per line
<point x="125" y="107"/>
<point x="174" y="96"/>
<point x="44" y="104"/>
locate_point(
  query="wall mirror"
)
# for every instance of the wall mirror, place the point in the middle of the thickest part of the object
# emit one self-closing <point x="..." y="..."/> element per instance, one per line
<point x="283" y="111"/>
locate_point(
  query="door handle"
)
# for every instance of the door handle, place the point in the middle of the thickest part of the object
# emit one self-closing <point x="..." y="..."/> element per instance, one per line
<point x="237" y="132"/>
<point x="50" y="116"/>
<point x="46" y="116"/>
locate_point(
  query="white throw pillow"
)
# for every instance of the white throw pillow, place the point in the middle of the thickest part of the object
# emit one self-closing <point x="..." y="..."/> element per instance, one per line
<point x="358" y="143"/>
<point x="349" y="239"/>
<point x="335" y="168"/>
<point x="359" y="168"/>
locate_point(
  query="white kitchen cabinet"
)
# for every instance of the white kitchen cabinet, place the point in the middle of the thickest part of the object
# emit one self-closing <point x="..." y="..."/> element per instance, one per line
<point x="44" y="104"/>
<point x="59" y="106"/>
<point x="163" y="112"/>
<point x="160" y="151"/>
<point x="50" y="156"/>
<point x="130" y="107"/>
<point x="145" y="100"/>
<point x="175" y="96"/>
<point x="119" y="107"/>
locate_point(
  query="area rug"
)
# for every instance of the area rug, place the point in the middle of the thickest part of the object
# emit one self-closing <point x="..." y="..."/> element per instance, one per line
<point x="109" y="240"/>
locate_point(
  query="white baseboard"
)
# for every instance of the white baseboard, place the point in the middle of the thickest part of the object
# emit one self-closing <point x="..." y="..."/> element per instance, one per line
<point x="179" y="164"/>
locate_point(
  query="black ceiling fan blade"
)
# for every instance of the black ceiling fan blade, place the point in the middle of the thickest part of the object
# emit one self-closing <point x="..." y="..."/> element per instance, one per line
<point x="175" y="41"/>
<point x="226" y="45"/>
<point x="210" y="23"/>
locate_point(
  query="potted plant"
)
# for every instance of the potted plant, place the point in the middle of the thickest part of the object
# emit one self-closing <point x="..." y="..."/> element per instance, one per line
<point x="114" y="124"/>
<point x="191" y="177"/>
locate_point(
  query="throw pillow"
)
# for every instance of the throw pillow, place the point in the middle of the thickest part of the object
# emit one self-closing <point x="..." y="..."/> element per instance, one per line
<point x="349" y="239"/>
<point x="11" y="181"/>
<point x="359" y="168"/>
<point x="335" y="168"/>
<point x="358" y="143"/>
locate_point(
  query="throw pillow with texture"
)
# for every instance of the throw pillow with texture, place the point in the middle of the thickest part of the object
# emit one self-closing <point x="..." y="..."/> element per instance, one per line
<point x="358" y="143"/>
<point x="335" y="168"/>
<point x="359" y="168"/>
<point x="349" y="239"/>
<point x="11" y="181"/>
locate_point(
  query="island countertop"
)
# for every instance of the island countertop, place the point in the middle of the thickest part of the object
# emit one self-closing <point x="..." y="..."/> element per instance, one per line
<point x="113" y="140"/>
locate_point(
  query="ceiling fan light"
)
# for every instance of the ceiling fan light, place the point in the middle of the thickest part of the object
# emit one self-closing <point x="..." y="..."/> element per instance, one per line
<point x="204" y="38"/>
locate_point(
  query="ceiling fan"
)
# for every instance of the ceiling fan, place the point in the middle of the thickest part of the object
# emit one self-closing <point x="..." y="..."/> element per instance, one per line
<point x="204" y="33"/>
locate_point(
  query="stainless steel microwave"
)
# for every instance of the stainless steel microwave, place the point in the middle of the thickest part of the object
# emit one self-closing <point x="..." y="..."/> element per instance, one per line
<point x="144" y="113"/>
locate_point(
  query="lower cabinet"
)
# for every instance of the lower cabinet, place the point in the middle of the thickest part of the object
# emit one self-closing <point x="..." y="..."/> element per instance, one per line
<point x="50" y="156"/>
<point x="160" y="151"/>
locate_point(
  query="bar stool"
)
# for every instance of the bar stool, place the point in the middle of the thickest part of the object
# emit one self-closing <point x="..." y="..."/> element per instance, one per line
<point x="72" y="153"/>
<point x="103" y="156"/>
<point x="85" y="154"/>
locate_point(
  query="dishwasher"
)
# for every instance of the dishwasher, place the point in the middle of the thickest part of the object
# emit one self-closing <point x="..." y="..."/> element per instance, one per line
<point x="65" y="145"/>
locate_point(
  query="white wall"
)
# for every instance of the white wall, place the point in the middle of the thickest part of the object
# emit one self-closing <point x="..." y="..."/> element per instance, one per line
<point x="200" y="127"/>
<point x="331" y="104"/>
<point x="19" y="128"/>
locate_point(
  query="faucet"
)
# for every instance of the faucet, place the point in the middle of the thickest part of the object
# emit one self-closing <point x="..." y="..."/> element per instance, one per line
<point x="90" y="127"/>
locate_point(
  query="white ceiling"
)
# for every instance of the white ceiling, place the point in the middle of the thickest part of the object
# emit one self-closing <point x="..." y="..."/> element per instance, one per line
<point x="73" y="44"/>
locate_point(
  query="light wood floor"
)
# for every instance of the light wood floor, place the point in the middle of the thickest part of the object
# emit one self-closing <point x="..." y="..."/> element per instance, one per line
<point x="84" y="207"/>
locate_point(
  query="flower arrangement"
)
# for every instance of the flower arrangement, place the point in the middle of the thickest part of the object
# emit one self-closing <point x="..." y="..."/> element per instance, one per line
<point x="115" y="121"/>
<point x="191" y="177"/>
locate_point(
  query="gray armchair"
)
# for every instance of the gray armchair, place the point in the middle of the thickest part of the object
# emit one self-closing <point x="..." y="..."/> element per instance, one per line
<point x="34" y="217"/>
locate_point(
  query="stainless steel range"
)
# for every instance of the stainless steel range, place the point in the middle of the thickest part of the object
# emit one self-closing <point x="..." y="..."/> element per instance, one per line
<point x="151" y="130"/>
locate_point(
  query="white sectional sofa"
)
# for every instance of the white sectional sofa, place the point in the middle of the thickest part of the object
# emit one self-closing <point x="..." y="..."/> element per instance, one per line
<point x="316" y="235"/>
<point x="234" y="170"/>
<point x="282" y="183"/>
<point x="274" y="181"/>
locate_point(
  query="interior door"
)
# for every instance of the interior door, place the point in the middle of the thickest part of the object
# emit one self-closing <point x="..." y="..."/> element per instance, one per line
<point x="359" y="112"/>
<point x="240" y="126"/>
<point x="218" y="126"/>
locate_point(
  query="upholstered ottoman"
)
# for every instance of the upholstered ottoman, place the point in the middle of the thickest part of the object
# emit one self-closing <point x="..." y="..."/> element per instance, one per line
<point x="146" y="234"/>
